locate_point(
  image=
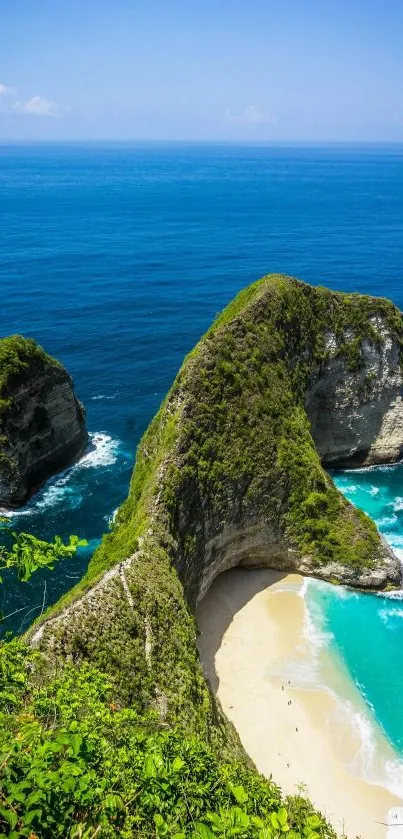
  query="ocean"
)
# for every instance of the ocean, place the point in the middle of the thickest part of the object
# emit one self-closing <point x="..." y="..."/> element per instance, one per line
<point x="117" y="257"/>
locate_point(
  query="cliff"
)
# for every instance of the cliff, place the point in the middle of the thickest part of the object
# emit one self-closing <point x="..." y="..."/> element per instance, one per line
<point x="42" y="424"/>
<point x="355" y="408"/>
<point x="230" y="473"/>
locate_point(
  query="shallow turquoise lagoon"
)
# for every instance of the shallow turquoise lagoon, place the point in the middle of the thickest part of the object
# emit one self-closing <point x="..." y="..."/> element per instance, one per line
<point x="367" y="630"/>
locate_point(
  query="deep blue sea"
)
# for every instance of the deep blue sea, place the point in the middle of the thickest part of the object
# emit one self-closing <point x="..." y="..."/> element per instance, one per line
<point x="117" y="257"/>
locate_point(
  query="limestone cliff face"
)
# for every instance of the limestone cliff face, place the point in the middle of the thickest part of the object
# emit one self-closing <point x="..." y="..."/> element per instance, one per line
<point x="230" y="473"/>
<point x="42" y="424"/>
<point x="356" y="415"/>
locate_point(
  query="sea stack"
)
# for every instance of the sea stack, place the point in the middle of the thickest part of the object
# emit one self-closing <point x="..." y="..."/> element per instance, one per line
<point x="42" y="423"/>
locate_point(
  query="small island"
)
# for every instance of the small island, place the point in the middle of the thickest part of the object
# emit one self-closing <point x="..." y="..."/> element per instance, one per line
<point x="42" y="423"/>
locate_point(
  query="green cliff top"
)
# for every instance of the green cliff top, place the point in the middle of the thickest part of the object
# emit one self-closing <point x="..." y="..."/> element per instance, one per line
<point x="234" y="425"/>
<point x="18" y="355"/>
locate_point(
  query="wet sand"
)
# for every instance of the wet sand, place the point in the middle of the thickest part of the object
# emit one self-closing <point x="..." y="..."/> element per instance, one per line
<point x="252" y="624"/>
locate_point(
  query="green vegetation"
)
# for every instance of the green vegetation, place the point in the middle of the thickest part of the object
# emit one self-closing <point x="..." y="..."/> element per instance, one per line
<point x="17" y="355"/>
<point x="28" y="553"/>
<point x="319" y="520"/>
<point x="74" y="764"/>
<point x="113" y="634"/>
<point x="237" y="412"/>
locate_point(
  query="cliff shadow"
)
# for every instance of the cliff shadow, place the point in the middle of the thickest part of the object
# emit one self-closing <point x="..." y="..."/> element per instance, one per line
<point x="227" y="595"/>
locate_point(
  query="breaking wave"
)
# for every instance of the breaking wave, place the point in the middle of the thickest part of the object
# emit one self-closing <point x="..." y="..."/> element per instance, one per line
<point x="68" y="488"/>
<point x="371" y="761"/>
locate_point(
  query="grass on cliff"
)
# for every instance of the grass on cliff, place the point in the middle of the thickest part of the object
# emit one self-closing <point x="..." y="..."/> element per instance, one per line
<point x="17" y="355"/>
<point x="245" y="429"/>
<point x="246" y="435"/>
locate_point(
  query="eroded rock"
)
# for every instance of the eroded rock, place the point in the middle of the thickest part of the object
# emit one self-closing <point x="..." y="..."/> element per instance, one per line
<point x="42" y="423"/>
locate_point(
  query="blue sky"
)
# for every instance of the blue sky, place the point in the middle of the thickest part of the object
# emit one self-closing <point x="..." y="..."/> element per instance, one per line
<point x="290" y="70"/>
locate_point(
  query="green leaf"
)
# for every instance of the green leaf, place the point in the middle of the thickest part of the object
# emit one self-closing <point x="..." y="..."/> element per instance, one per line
<point x="282" y="817"/>
<point x="69" y="784"/>
<point x="28" y="553"/>
<point x="266" y="833"/>
<point x="76" y="743"/>
<point x="77" y="831"/>
<point x="215" y="820"/>
<point x="10" y="816"/>
<point x="202" y="831"/>
<point x="158" y="820"/>
<point x="257" y="821"/>
<point x="29" y="817"/>
<point x="35" y="796"/>
<point x="150" y="769"/>
<point x="178" y="764"/>
<point x="239" y="794"/>
<point x="239" y="817"/>
<point x="113" y="802"/>
<point x="160" y="824"/>
<point x="313" y="821"/>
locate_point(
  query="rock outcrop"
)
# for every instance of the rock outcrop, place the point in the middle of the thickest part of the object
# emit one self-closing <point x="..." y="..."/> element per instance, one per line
<point x="230" y="473"/>
<point x="42" y="424"/>
<point x="356" y="410"/>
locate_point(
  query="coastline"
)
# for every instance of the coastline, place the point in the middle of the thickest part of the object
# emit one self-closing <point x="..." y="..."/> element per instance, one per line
<point x="255" y="653"/>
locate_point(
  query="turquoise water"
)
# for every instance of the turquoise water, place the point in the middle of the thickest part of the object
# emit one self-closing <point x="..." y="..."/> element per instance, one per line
<point x="117" y="257"/>
<point x="367" y="630"/>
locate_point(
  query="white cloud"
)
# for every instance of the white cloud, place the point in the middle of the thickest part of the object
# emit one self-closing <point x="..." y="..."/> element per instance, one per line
<point x="4" y="90"/>
<point x="38" y="106"/>
<point x="251" y="115"/>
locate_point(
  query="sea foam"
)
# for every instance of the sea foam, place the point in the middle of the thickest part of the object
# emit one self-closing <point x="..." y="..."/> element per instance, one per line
<point x="103" y="396"/>
<point x="372" y="761"/>
<point x="102" y="451"/>
<point x="397" y="504"/>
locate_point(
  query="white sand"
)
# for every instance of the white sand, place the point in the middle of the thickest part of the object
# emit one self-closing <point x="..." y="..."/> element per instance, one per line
<point x="251" y="624"/>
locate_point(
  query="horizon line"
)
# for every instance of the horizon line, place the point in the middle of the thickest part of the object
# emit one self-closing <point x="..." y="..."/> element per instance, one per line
<point x="6" y="141"/>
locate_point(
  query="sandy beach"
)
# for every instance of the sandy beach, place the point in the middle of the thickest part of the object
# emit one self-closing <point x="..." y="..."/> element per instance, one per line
<point x="251" y="625"/>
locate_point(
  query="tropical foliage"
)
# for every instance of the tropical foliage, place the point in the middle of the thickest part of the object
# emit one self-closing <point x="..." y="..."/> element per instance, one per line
<point x="75" y="765"/>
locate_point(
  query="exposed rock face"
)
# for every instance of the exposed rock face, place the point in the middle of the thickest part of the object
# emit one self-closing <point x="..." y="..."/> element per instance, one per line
<point x="357" y="416"/>
<point x="42" y="424"/>
<point x="255" y="546"/>
<point x="230" y="473"/>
